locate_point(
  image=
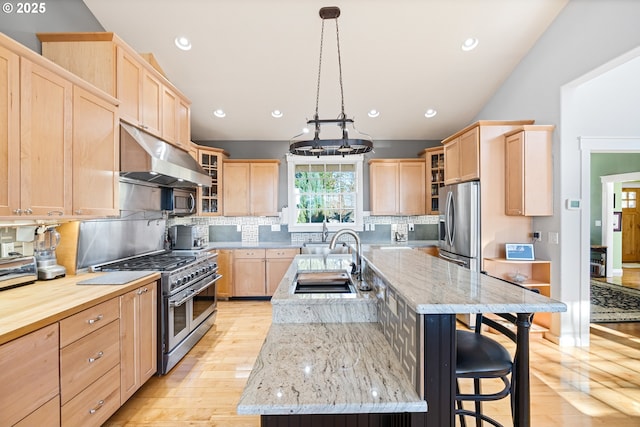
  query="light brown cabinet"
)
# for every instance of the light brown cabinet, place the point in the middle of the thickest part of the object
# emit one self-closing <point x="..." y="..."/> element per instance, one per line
<point x="209" y="198"/>
<point x="528" y="171"/>
<point x="434" y="158"/>
<point x="249" y="272"/>
<point x="397" y="186"/>
<point x="59" y="140"/>
<point x="255" y="187"/>
<point x="278" y="262"/>
<point x="138" y="338"/>
<point x="258" y="272"/>
<point x="9" y="133"/>
<point x="45" y="141"/>
<point x="224" y="285"/>
<point x="96" y="155"/>
<point x="29" y="378"/>
<point x="148" y="100"/>
<point x="462" y="157"/>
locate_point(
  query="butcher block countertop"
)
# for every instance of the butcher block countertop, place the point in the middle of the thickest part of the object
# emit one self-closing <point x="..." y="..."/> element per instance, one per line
<point x="31" y="307"/>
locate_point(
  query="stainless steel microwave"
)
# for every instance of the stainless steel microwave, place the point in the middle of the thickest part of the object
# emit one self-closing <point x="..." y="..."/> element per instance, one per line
<point x="179" y="201"/>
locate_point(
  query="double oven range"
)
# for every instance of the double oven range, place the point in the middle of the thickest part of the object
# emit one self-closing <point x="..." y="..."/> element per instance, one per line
<point x="187" y="303"/>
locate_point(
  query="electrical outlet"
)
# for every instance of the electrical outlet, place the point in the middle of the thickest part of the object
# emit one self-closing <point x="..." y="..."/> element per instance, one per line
<point x="537" y="236"/>
<point x="372" y="227"/>
<point x="411" y="227"/>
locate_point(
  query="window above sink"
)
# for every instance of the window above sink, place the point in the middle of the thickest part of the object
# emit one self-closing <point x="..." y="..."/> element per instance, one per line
<point x="321" y="189"/>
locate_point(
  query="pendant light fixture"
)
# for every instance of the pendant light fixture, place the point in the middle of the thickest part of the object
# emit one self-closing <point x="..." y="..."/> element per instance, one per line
<point x="348" y="140"/>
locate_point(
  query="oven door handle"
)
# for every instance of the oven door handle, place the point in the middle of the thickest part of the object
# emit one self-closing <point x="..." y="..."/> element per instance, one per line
<point x="203" y="287"/>
<point x="183" y="300"/>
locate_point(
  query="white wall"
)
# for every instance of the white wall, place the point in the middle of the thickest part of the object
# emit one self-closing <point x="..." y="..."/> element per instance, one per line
<point x="586" y="35"/>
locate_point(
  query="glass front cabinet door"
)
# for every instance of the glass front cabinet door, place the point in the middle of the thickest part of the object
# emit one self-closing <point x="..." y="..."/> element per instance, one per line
<point x="210" y="198"/>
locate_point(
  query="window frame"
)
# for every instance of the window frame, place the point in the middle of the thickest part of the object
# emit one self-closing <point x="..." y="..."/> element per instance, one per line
<point x="355" y="159"/>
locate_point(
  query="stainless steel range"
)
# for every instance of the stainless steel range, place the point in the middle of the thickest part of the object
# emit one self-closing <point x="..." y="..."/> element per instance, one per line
<point x="187" y="303"/>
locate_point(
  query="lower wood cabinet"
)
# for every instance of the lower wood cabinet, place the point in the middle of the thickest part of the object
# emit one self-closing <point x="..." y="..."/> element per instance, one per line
<point x="224" y="285"/>
<point x="30" y="379"/>
<point x="258" y="272"/>
<point x="138" y="338"/>
<point x="80" y="370"/>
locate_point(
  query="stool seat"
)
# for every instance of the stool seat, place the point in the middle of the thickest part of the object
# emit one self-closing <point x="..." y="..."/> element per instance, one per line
<point x="479" y="356"/>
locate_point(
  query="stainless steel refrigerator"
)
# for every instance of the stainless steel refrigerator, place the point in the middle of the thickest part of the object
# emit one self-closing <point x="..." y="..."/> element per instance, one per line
<point x="459" y="228"/>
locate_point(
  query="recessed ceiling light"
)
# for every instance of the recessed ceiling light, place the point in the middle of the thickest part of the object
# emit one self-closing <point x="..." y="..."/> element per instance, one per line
<point x="305" y="130"/>
<point x="183" y="43"/>
<point x="430" y="113"/>
<point x="469" y="44"/>
<point x="276" y="114"/>
<point x="219" y="113"/>
<point x="373" y="113"/>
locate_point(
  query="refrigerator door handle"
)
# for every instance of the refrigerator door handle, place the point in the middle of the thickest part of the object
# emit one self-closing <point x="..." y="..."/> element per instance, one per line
<point x="453" y="260"/>
<point x="450" y="218"/>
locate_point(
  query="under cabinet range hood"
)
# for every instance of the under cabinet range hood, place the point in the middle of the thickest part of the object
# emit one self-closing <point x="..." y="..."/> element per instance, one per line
<point x="144" y="157"/>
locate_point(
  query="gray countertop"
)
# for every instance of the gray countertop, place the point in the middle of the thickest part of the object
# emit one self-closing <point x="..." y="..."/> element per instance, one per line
<point x="434" y="286"/>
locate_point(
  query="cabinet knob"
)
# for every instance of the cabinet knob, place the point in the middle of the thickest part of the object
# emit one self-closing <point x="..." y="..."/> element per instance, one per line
<point x="17" y="211"/>
<point x="28" y="211"/>
<point x="78" y="212"/>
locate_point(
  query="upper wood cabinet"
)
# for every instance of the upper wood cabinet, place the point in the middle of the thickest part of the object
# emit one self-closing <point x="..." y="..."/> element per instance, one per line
<point x="9" y="131"/>
<point x="210" y="198"/>
<point x="528" y="171"/>
<point x="397" y="186"/>
<point x="96" y="157"/>
<point x="254" y="190"/>
<point x="58" y="140"/>
<point x="434" y="158"/>
<point x="148" y="99"/>
<point x="462" y="157"/>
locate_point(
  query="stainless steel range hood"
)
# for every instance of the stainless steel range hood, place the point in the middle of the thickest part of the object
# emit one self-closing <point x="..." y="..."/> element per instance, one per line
<point x="143" y="157"/>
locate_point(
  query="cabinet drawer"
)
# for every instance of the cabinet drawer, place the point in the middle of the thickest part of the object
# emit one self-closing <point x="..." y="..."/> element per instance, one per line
<point x="96" y="403"/>
<point x="87" y="359"/>
<point x="75" y="327"/>
<point x="249" y="253"/>
<point x="48" y="415"/>
<point x="282" y="253"/>
<point x="29" y="375"/>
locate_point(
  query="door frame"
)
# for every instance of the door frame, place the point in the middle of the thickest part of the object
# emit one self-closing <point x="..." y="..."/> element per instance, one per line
<point x="607" y="214"/>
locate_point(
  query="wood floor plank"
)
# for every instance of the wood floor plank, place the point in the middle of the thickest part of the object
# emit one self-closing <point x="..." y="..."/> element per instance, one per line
<point x="593" y="387"/>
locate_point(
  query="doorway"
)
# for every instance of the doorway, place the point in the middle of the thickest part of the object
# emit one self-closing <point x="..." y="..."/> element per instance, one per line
<point x="630" y="226"/>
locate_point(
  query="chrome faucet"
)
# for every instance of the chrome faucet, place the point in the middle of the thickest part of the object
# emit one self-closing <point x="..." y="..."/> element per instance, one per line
<point x="357" y="263"/>
<point x="325" y="231"/>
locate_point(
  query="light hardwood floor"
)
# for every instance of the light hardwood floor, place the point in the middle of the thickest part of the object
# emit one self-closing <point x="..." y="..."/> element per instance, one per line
<point x="598" y="386"/>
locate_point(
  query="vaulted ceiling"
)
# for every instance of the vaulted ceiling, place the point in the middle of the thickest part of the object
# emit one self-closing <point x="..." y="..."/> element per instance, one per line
<point x="399" y="57"/>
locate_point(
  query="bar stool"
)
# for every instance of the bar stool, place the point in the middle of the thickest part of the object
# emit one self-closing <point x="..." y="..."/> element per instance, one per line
<point x="479" y="357"/>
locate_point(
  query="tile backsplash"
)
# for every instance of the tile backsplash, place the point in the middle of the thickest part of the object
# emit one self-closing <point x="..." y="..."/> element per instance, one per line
<point x="269" y="229"/>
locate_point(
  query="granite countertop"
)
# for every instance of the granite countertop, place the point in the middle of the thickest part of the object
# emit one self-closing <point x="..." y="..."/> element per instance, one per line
<point x="434" y="286"/>
<point x="327" y="369"/>
<point x="30" y="307"/>
<point x="289" y="307"/>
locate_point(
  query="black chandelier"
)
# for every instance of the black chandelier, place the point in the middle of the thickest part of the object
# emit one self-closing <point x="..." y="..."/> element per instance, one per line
<point x="331" y="146"/>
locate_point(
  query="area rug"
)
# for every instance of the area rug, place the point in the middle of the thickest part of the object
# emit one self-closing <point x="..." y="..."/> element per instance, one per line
<point x="614" y="303"/>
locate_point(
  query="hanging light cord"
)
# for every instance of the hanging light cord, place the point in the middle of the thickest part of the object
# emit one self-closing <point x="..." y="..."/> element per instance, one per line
<point x="342" y="114"/>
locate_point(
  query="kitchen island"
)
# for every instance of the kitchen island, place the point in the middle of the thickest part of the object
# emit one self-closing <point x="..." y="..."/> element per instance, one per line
<point x="417" y="298"/>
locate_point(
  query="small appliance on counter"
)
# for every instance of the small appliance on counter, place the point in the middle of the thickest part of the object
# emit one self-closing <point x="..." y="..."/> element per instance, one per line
<point x="46" y="241"/>
<point x="17" y="271"/>
<point x="188" y="237"/>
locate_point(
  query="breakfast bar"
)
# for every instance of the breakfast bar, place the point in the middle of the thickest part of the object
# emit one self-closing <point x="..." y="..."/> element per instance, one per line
<point x="413" y="292"/>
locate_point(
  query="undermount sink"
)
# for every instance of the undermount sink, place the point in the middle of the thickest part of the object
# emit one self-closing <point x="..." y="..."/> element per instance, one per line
<point x="323" y="249"/>
<point x="324" y="282"/>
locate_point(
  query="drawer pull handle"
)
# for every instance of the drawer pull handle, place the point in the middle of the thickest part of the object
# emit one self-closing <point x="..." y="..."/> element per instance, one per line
<point x="94" y="410"/>
<point x="142" y="291"/>
<point x="98" y="356"/>
<point x="92" y="321"/>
